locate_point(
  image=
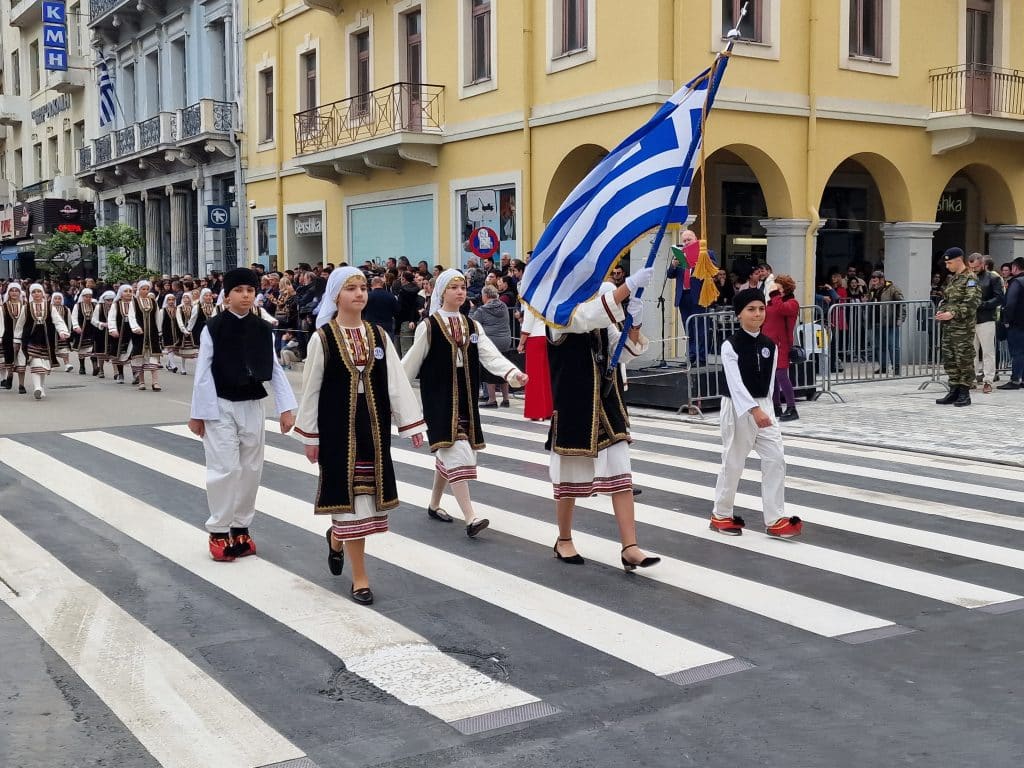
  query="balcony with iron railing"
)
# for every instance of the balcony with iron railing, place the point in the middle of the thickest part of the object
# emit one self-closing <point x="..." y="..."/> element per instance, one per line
<point x="969" y="100"/>
<point x="101" y="12"/>
<point x="153" y="139"/>
<point x="373" y="130"/>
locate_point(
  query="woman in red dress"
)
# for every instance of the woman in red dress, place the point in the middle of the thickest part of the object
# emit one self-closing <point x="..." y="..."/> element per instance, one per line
<point x="779" y="324"/>
<point x="533" y="341"/>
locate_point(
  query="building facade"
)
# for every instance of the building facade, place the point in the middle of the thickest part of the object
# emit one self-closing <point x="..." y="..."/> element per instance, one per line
<point x="42" y="119"/>
<point x="170" y="150"/>
<point x="855" y="131"/>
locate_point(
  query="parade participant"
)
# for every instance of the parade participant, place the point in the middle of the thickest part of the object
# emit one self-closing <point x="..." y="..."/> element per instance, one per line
<point x="84" y="340"/>
<point x="62" y="346"/>
<point x="10" y="314"/>
<point x="262" y="314"/>
<point x="958" y="314"/>
<point x="188" y="318"/>
<point x="534" y="345"/>
<point x="39" y="328"/>
<point x="589" y="433"/>
<point x="105" y="345"/>
<point x="207" y="310"/>
<point x="353" y="386"/>
<point x="170" y="332"/>
<point x="236" y="358"/>
<point x="749" y="361"/>
<point x="146" y="327"/>
<point x="447" y="352"/>
<point x="120" y="329"/>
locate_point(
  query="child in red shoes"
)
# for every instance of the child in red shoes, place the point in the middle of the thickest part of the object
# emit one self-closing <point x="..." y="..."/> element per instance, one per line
<point x="236" y="357"/>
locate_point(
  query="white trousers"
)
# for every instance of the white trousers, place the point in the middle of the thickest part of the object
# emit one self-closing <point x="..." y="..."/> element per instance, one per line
<point x="740" y="435"/>
<point x="234" y="463"/>
<point x="985" y="341"/>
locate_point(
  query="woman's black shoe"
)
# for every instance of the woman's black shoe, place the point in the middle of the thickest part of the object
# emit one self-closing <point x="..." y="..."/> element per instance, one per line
<point x="489" y="405"/>
<point x="571" y="559"/>
<point x="362" y="596"/>
<point x="335" y="560"/>
<point x="22" y="390"/>
<point x="476" y="526"/>
<point x="647" y="562"/>
<point x="790" y="414"/>
<point x="438" y="514"/>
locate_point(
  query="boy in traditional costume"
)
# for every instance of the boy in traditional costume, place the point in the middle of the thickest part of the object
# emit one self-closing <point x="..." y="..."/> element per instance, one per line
<point x="236" y="358"/>
<point x="589" y="434"/>
<point x="447" y="352"/>
<point x="353" y="387"/>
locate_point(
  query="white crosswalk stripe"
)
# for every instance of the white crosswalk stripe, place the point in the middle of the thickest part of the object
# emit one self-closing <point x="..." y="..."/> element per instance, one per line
<point x="408" y="665"/>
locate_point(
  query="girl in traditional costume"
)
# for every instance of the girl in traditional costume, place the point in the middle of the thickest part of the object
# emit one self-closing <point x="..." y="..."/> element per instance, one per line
<point x="188" y="318"/>
<point x="170" y="332"/>
<point x="10" y="315"/>
<point x="84" y="340"/>
<point x="447" y="352"/>
<point x="353" y="386"/>
<point x="62" y="346"/>
<point x="120" y="328"/>
<point x="104" y="346"/>
<point x="39" y="327"/>
<point x="146" y="327"/>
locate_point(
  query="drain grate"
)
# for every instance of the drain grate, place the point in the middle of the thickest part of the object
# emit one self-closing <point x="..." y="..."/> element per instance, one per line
<point x="503" y="718"/>
<point x="298" y="762"/>
<point x="708" y="671"/>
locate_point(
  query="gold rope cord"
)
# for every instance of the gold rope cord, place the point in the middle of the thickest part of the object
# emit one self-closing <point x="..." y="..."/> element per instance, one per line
<point x="705" y="269"/>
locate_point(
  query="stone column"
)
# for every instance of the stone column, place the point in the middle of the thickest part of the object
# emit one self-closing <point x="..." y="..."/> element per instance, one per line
<point x="179" y="230"/>
<point x="1005" y="242"/>
<point x="787" y="249"/>
<point x="908" y="257"/>
<point x="153" y="230"/>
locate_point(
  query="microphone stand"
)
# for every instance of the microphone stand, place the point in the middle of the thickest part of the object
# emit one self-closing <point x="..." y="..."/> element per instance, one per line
<point x="664" y="341"/>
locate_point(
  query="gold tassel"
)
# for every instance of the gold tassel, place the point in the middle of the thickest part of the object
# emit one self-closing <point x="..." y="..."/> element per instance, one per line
<point x="706" y="270"/>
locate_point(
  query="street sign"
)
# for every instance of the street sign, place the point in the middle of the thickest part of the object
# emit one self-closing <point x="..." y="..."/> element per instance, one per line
<point x="218" y="217"/>
<point x="483" y="241"/>
<point x="55" y="36"/>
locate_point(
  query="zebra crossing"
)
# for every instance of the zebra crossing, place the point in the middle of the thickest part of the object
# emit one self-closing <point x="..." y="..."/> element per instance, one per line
<point x="470" y="636"/>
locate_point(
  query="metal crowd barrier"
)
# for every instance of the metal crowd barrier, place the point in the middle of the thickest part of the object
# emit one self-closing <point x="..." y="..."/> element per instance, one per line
<point x="883" y="341"/>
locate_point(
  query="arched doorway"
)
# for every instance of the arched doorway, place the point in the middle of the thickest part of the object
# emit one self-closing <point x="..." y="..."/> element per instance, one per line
<point x="570" y="172"/>
<point x="975" y="196"/>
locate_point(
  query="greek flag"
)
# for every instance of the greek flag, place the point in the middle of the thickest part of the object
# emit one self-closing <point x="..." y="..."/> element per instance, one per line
<point x="628" y="194"/>
<point x="107" y="112"/>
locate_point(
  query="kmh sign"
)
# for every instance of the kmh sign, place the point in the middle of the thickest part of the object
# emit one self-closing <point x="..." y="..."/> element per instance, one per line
<point x="55" y="36"/>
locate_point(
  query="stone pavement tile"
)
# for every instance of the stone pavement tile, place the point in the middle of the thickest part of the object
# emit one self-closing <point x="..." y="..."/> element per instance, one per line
<point x="896" y="414"/>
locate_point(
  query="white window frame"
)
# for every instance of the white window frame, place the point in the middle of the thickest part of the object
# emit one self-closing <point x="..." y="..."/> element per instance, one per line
<point x="889" y="62"/>
<point x="457" y="187"/>
<point x="558" y="61"/>
<point x="771" y="45"/>
<point x="402" y="9"/>
<point x="265" y="64"/>
<point x="467" y="88"/>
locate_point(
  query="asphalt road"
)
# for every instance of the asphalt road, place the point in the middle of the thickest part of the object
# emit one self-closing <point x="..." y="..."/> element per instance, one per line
<point x="888" y="635"/>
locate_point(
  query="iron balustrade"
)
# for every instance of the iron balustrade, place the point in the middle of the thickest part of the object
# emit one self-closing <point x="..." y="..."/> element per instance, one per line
<point x="149" y="132"/>
<point x="978" y="89"/>
<point x="98" y="9"/>
<point x="84" y="158"/>
<point x="126" y="141"/>
<point x="191" y="121"/>
<point x="103" y="149"/>
<point x="34" y="190"/>
<point x="395" y="108"/>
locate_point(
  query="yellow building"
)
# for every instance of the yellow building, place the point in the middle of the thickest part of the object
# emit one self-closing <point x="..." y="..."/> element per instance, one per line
<point x="844" y="131"/>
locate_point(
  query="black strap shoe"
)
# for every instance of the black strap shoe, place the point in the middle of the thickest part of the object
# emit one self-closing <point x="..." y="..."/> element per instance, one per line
<point x="476" y="526"/>
<point x="438" y="514"/>
<point x="362" y="596"/>
<point x="335" y="559"/>
<point x="647" y="562"/>
<point x="571" y="559"/>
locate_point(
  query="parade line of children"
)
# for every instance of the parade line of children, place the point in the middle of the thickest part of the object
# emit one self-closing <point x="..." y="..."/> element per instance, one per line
<point x="356" y="387"/>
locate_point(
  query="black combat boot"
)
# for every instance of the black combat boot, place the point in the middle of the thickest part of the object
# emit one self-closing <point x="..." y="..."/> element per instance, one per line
<point x="964" y="398"/>
<point x="951" y="396"/>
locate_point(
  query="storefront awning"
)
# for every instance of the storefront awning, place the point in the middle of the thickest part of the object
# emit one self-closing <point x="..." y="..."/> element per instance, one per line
<point x="9" y="253"/>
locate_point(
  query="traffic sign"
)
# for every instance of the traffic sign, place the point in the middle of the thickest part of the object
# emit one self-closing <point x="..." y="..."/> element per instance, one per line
<point x="218" y="217"/>
<point x="483" y="241"/>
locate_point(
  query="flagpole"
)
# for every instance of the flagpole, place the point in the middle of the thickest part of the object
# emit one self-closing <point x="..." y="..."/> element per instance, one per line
<point x="733" y="34"/>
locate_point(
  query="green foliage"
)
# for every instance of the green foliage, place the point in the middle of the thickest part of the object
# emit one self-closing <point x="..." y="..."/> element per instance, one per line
<point x="58" y="253"/>
<point x="121" y="270"/>
<point x="121" y="243"/>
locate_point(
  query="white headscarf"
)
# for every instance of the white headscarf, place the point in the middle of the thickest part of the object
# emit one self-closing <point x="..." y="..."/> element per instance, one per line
<point x="163" y="304"/>
<point x="142" y="283"/>
<point x="220" y="298"/>
<point x="21" y="291"/>
<point x="33" y="287"/>
<point x="54" y="295"/>
<point x="85" y="292"/>
<point x="121" y="289"/>
<point x="186" y="295"/>
<point x="329" y="301"/>
<point x="202" y="294"/>
<point x="437" y="297"/>
<point x="107" y="296"/>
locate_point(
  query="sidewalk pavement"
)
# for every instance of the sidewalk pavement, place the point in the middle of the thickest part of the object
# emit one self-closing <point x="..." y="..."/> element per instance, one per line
<point x="896" y="414"/>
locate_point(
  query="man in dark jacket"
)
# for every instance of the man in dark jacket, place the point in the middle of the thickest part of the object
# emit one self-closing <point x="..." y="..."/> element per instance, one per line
<point x="409" y="304"/>
<point x="992" y="298"/>
<point x="1013" y="320"/>
<point x="886" y="318"/>
<point x="381" y="306"/>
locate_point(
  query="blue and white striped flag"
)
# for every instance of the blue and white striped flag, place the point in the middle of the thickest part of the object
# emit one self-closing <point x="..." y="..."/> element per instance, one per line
<point x="627" y="195"/>
<point x="107" y="111"/>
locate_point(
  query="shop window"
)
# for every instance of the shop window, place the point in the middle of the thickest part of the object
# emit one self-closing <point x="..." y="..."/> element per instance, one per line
<point x="491" y="207"/>
<point x="266" y="242"/>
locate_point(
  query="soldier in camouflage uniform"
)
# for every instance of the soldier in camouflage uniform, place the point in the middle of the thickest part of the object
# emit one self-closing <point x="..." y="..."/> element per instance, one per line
<point x="957" y="313"/>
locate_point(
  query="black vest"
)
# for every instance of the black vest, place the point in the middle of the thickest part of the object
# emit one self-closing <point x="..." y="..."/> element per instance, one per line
<point x="350" y="428"/>
<point x="243" y="356"/>
<point x="10" y="320"/>
<point x="447" y="390"/>
<point x="126" y="342"/>
<point x="170" y="333"/>
<point x="587" y="416"/>
<point x="756" y="367"/>
<point x="89" y="330"/>
<point x="39" y="336"/>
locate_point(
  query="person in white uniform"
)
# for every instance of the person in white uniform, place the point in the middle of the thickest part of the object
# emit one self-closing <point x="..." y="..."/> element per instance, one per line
<point x="447" y="352"/>
<point x="747" y="423"/>
<point x="353" y="389"/>
<point x="236" y="357"/>
<point x="38" y="329"/>
<point x="589" y="433"/>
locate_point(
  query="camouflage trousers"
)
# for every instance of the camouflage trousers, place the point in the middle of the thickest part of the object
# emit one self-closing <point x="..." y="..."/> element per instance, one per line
<point x="958" y="353"/>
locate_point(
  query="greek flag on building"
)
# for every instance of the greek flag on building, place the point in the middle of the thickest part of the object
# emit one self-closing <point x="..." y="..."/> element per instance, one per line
<point x="107" y="112"/>
<point x="627" y="195"/>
